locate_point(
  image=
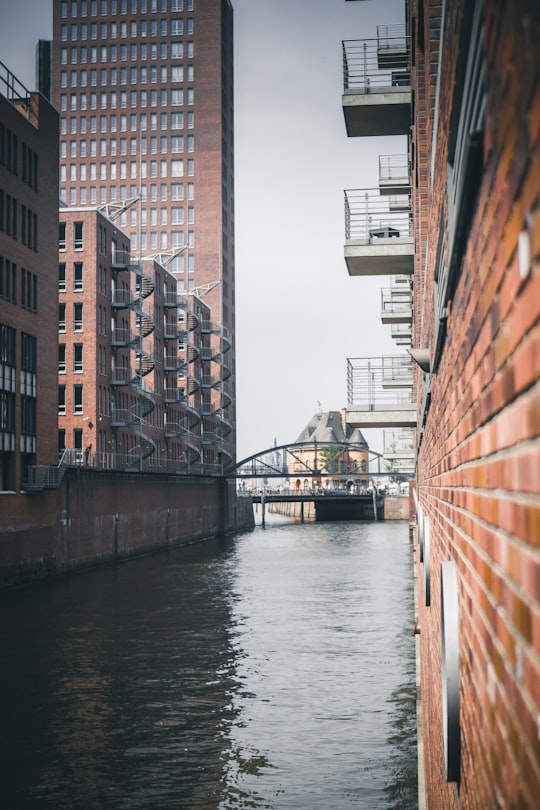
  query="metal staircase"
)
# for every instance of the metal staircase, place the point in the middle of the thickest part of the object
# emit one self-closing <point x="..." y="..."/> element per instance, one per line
<point x="142" y="360"/>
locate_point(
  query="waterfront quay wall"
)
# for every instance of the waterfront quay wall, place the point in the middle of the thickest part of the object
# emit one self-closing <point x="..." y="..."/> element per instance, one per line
<point x="95" y="518"/>
<point x="395" y="508"/>
<point x="292" y="509"/>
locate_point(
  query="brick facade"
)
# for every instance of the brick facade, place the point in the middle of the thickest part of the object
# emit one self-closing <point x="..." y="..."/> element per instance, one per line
<point x="478" y="470"/>
<point x="28" y="288"/>
<point x="145" y="93"/>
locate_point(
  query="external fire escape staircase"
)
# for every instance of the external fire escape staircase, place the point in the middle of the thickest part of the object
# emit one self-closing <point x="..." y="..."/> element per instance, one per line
<point x="215" y="405"/>
<point x="136" y="418"/>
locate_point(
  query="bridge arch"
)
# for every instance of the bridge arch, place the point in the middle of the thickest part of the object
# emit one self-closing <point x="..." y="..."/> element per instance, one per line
<point x="321" y="462"/>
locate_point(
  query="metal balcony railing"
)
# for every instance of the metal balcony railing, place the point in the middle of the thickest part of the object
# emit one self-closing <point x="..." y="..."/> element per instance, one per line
<point x="377" y="65"/>
<point x="401" y="333"/>
<point x="18" y="95"/>
<point x="380" y="383"/>
<point x="370" y="217"/>
<point x="399" y="443"/>
<point x="396" y="301"/>
<point x="393" y="167"/>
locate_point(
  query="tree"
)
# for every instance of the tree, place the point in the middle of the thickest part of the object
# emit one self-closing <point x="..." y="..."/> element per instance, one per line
<point x="330" y="457"/>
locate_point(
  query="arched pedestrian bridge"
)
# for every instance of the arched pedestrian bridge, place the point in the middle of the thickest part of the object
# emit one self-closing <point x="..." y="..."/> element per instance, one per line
<point x="334" y="476"/>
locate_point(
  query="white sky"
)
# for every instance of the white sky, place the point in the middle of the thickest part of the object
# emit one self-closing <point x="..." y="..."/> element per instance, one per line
<point x="299" y="314"/>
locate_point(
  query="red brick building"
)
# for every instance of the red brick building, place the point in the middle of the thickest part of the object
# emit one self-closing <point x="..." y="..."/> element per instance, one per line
<point x="28" y="287"/>
<point x="145" y="93"/>
<point x="475" y="162"/>
<point x="462" y="83"/>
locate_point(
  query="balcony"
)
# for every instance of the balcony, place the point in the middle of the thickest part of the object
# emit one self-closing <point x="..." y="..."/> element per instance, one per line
<point x="402" y="334"/>
<point x="399" y="446"/>
<point x="380" y="392"/>
<point x="378" y="233"/>
<point x="396" y="305"/>
<point x="394" y="177"/>
<point x="376" y="84"/>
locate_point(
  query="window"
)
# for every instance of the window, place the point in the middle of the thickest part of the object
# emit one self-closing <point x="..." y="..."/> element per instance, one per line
<point x="78" y="276"/>
<point x="77" y="398"/>
<point x="465" y="165"/>
<point x="177" y="98"/>
<point x="177" y="168"/>
<point x="62" y="236"/>
<point x="177" y="120"/>
<point x="77" y="317"/>
<point x="77" y="440"/>
<point x="177" y="191"/>
<point x="61" y="317"/>
<point x="61" y="399"/>
<point x="177" y="143"/>
<point x="62" y="277"/>
<point x="78" y="235"/>
<point x="177" y="50"/>
<point x="61" y="358"/>
<point x="78" y="358"/>
<point x="177" y="28"/>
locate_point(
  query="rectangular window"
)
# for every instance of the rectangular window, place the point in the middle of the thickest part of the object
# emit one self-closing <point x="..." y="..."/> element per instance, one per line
<point x="61" y="358"/>
<point x="78" y="235"/>
<point x="177" y="50"/>
<point x="77" y="317"/>
<point x="77" y="398"/>
<point x="78" y="276"/>
<point x="61" y="399"/>
<point x="177" y="168"/>
<point x="78" y="358"/>
<point x="177" y="144"/>
<point x="61" y="317"/>
<point x="62" y="277"/>
<point x="62" y="236"/>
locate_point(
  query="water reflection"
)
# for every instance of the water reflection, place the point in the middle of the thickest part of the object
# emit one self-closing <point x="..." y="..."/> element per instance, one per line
<point x="272" y="670"/>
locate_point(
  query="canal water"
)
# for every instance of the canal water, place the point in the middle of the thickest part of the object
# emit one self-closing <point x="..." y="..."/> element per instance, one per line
<point x="272" y="669"/>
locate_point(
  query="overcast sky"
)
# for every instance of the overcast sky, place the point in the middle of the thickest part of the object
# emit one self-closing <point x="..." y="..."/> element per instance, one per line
<point x="299" y="314"/>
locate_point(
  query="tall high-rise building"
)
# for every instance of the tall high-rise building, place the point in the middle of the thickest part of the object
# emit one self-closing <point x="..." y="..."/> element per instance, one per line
<point x="145" y="94"/>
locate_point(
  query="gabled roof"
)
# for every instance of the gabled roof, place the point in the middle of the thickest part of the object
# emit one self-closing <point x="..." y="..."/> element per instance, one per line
<point x="328" y="427"/>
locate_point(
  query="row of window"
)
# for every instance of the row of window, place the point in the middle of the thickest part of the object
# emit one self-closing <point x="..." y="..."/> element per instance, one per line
<point x="77" y="399"/>
<point x="174" y="240"/>
<point x="141" y="122"/>
<point x="113" y="76"/>
<point x="78" y="235"/>
<point x="138" y="52"/>
<point x="9" y="157"/>
<point x="78" y="365"/>
<point x="80" y="8"/>
<point x="21" y="286"/>
<point x="77" y="277"/>
<point x="137" y="98"/>
<point x="12" y="215"/>
<point x="27" y="412"/>
<point x="83" y="196"/>
<point x="77" y="317"/>
<point x="173" y="144"/>
<point x="114" y="171"/>
<point x="122" y="30"/>
<point x="8" y="338"/>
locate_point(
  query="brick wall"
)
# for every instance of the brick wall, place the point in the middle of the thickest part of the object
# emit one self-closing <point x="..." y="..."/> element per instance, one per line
<point x="478" y="477"/>
<point x="96" y="518"/>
